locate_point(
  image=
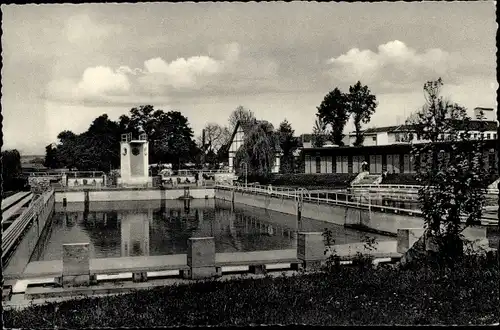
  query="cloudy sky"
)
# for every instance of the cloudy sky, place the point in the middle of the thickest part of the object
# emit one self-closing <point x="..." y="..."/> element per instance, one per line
<point x="64" y="65"/>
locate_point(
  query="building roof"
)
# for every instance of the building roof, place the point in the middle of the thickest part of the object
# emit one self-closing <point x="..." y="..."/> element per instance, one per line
<point x="398" y="146"/>
<point x="304" y="138"/>
<point x="227" y="146"/>
<point x="474" y="125"/>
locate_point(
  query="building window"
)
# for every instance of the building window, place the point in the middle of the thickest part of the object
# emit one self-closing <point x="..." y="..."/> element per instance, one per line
<point x="475" y="136"/>
<point x="494" y="136"/>
<point x="318" y="164"/>
<point x="488" y="136"/>
<point x="397" y="137"/>
<point x="374" y="139"/>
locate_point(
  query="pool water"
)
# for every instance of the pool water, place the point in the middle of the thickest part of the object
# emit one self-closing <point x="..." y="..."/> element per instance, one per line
<point x="128" y="229"/>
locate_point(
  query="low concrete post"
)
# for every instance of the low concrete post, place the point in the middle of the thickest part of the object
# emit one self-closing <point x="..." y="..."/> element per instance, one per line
<point x="76" y="264"/>
<point x="352" y="216"/>
<point x="201" y="258"/>
<point x="257" y="269"/>
<point x="493" y="235"/>
<point x="140" y="277"/>
<point x="407" y="237"/>
<point x="311" y="249"/>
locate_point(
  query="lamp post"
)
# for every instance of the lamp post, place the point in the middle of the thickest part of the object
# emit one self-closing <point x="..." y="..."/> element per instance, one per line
<point x="245" y="165"/>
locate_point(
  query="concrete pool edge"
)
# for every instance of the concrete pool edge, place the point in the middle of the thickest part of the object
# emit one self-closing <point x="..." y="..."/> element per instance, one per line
<point x="144" y="194"/>
<point x="179" y="261"/>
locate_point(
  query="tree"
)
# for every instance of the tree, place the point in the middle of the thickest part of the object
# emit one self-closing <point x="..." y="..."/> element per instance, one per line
<point x="288" y="144"/>
<point x="454" y="181"/>
<point x="68" y="149"/>
<point x="11" y="169"/>
<point x="154" y="123"/>
<point x="102" y="141"/>
<point x="180" y="146"/>
<point x="362" y="105"/>
<point x="216" y="137"/>
<point x="244" y="116"/>
<point x="51" y="160"/>
<point x="319" y="133"/>
<point x="334" y="111"/>
<point x="258" y="150"/>
<point x="169" y="135"/>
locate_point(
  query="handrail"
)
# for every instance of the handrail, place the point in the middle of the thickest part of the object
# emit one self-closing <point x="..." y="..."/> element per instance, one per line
<point x="408" y="188"/>
<point x="274" y="191"/>
<point x="14" y="231"/>
<point x="78" y="174"/>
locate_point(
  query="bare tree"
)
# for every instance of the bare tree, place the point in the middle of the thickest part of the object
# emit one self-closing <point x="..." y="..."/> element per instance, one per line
<point x="243" y="115"/>
<point x="215" y="136"/>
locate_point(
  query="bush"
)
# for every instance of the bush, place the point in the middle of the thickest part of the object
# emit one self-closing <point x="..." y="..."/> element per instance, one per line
<point x="301" y="180"/>
<point x="467" y="295"/>
<point x="333" y="180"/>
<point x="401" y="179"/>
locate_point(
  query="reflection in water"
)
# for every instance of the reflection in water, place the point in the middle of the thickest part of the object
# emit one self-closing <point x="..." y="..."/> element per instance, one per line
<point x="146" y="229"/>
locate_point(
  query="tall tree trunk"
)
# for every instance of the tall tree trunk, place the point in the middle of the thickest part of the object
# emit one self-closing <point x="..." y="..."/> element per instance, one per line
<point x="359" y="136"/>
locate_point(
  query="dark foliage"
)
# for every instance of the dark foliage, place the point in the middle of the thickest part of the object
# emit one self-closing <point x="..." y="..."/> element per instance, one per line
<point x="362" y="105"/>
<point x="288" y="144"/>
<point x="169" y="135"/>
<point x="468" y="295"/>
<point x="401" y="179"/>
<point x="313" y="181"/>
<point x="334" y="111"/>
<point x="11" y="170"/>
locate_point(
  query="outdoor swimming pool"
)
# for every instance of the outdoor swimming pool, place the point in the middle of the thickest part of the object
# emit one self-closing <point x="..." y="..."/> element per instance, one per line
<point x="128" y="229"/>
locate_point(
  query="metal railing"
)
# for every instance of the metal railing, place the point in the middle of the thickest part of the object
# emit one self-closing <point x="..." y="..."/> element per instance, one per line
<point x="13" y="199"/>
<point x="331" y="198"/>
<point x="301" y="193"/>
<point x="15" y="231"/>
<point x="407" y="188"/>
<point x="69" y="174"/>
<point x="386" y="186"/>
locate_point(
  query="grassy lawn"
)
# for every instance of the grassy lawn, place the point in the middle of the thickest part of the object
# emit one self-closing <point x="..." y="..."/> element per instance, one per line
<point x="349" y="296"/>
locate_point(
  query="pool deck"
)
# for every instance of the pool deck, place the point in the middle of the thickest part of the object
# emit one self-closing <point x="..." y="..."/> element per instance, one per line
<point x="40" y="269"/>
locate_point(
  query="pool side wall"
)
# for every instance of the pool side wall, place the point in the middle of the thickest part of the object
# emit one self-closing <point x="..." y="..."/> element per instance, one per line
<point x="132" y="195"/>
<point x="383" y="222"/>
<point x="27" y="245"/>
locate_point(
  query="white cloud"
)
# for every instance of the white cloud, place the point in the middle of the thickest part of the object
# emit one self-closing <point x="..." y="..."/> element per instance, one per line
<point x="183" y="72"/>
<point x="103" y="80"/>
<point x="97" y="83"/>
<point x="229" y="72"/>
<point x="394" y="65"/>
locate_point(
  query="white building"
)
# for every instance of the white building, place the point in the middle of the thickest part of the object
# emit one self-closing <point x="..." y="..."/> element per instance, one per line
<point x="399" y="134"/>
<point x="236" y="142"/>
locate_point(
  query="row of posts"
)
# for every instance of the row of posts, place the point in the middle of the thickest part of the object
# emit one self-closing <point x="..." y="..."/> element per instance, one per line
<point x="200" y="262"/>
